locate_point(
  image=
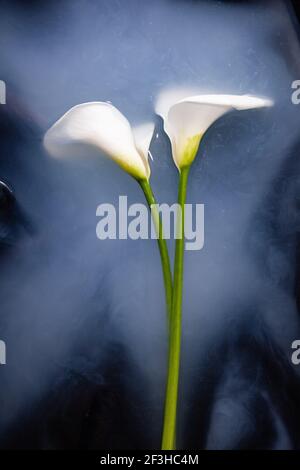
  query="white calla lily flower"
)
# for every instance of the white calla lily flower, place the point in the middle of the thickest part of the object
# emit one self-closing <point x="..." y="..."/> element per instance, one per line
<point x="187" y="116"/>
<point x="103" y="127"/>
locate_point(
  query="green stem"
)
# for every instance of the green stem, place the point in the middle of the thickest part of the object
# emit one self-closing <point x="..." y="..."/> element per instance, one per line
<point x="169" y="426"/>
<point x="163" y="249"/>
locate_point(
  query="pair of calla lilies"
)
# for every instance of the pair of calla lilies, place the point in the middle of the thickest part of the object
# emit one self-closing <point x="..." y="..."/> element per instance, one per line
<point x="186" y="115"/>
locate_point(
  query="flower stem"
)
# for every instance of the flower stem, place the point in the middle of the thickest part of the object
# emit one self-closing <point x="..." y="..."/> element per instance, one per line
<point x="163" y="249"/>
<point x="170" y="414"/>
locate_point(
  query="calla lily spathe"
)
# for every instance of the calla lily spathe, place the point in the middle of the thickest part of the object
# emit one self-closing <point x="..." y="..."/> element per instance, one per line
<point x="102" y="126"/>
<point x="187" y="115"/>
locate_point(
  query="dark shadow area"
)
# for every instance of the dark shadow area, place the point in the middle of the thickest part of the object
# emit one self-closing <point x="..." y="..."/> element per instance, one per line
<point x="249" y="399"/>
